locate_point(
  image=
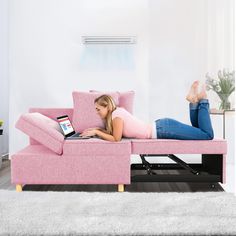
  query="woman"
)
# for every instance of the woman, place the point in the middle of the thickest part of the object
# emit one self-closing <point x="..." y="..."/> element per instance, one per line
<point x="119" y="122"/>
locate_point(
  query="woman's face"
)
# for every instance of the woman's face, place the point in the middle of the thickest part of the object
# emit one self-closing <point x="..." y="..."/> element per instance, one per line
<point x="101" y="111"/>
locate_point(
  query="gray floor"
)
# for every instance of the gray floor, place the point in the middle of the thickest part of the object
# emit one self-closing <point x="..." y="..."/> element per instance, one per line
<point x="5" y="183"/>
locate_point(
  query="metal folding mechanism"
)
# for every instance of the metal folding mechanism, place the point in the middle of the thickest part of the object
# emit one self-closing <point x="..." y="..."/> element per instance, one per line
<point x="210" y="170"/>
<point x="183" y="164"/>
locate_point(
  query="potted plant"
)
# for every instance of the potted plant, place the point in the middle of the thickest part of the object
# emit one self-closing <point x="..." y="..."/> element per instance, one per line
<point x="223" y="86"/>
<point x="1" y="130"/>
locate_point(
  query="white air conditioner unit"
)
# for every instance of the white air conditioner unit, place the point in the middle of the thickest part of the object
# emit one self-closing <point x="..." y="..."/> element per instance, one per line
<point x="109" y="39"/>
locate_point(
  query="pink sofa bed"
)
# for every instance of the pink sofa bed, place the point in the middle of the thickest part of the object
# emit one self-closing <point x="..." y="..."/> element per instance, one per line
<point x="49" y="159"/>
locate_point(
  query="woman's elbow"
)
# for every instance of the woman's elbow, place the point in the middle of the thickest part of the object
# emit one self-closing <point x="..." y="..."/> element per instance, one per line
<point x="117" y="139"/>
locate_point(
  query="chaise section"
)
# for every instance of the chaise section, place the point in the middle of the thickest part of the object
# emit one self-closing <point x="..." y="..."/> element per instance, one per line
<point x="83" y="162"/>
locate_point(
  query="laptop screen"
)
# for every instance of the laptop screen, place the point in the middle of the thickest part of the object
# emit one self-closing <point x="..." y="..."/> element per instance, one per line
<point x="65" y="124"/>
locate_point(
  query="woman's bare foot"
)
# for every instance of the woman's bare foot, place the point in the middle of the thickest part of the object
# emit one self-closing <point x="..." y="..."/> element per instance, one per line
<point x="202" y="94"/>
<point x="192" y="96"/>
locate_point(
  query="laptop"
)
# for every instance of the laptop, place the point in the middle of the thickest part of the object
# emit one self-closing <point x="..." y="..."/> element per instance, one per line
<point x="68" y="130"/>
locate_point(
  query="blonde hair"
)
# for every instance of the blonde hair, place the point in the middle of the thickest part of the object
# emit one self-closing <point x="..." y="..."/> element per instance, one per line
<point x="107" y="101"/>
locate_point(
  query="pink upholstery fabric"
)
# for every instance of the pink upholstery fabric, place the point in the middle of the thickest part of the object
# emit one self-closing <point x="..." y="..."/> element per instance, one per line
<point x="36" y="164"/>
<point x="42" y="129"/>
<point x="126" y="99"/>
<point x="95" y="146"/>
<point x="173" y="146"/>
<point x="51" y="113"/>
<point x="84" y="115"/>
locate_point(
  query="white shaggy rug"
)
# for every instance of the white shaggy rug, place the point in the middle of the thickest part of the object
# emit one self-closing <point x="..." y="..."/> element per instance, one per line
<point x="114" y="213"/>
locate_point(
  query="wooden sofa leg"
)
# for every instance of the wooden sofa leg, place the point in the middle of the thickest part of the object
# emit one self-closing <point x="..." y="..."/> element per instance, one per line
<point x="121" y="187"/>
<point x="19" y="188"/>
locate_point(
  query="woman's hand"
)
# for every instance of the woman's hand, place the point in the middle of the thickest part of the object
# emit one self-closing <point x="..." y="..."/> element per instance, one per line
<point x="117" y="124"/>
<point x="89" y="132"/>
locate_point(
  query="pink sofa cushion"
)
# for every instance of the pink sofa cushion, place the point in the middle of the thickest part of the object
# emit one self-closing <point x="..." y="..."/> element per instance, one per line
<point x="96" y="146"/>
<point x="84" y="115"/>
<point x="42" y="129"/>
<point x="126" y="99"/>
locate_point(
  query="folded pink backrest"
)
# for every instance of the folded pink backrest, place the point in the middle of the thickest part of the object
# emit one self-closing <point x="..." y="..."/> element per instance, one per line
<point x="51" y="113"/>
<point x="42" y="129"/>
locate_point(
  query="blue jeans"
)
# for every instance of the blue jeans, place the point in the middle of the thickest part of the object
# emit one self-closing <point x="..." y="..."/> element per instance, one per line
<point x="201" y="128"/>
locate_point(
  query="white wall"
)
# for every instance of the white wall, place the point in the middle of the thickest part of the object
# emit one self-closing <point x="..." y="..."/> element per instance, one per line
<point x="172" y="50"/>
<point x="220" y="40"/>
<point x="4" y="79"/>
<point x="177" y="54"/>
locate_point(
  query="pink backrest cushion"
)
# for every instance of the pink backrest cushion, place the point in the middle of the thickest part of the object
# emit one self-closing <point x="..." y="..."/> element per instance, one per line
<point x="84" y="115"/>
<point x="42" y="129"/>
<point x="126" y="99"/>
<point x="51" y="113"/>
